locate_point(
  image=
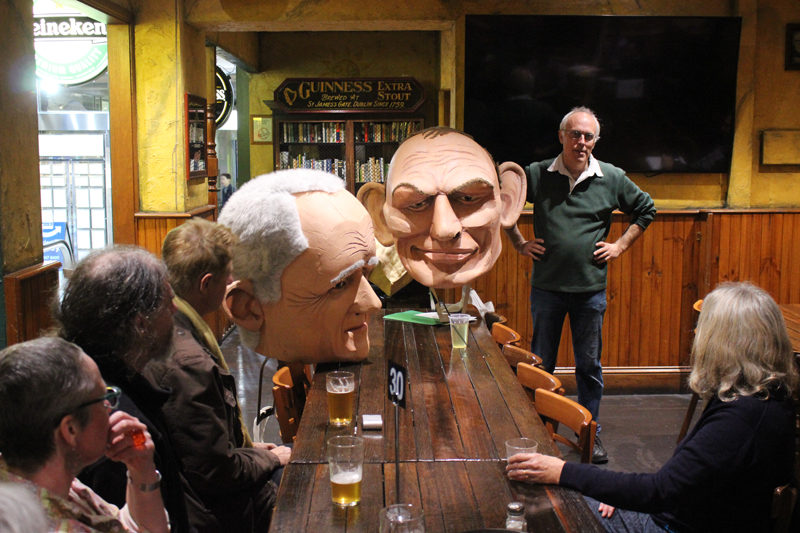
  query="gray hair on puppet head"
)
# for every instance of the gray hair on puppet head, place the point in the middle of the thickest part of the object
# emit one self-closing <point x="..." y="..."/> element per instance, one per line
<point x="263" y="215"/>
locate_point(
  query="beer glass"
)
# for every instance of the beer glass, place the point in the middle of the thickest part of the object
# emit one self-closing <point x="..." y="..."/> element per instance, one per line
<point x="402" y="518"/>
<point x="459" y="329"/>
<point x="340" y="387"/>
<point x="520" y="445"/>
<point x="345" y="460"/>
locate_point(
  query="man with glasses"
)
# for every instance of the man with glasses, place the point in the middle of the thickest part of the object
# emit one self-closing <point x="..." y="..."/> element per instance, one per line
<point x="573" y="197"/>
<point x="57" y="417"/>
<point x="117" y="306"/>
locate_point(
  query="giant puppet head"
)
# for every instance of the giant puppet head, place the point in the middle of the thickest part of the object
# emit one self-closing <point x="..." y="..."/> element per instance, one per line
<point x="305" y="250"/>
<point x="444" y="205"/>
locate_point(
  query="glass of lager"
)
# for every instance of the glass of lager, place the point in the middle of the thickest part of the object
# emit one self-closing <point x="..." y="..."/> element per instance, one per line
<point x="402" y="518"/>
<point x="340" y="387"/>
<point x="345" y="459"/>
<point x="459" y="329"/>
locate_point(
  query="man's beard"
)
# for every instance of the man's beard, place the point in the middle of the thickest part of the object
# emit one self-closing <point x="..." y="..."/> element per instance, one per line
<point x="152" y="348"/>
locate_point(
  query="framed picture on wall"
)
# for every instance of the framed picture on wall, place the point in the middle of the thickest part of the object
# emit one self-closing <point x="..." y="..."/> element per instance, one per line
<point x="261" y="129"/>
<point x="196" y="155"/>
<point x="793" y="46"/>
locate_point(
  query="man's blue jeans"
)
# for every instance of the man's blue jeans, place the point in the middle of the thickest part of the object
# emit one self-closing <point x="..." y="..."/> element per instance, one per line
<point x="585" y="310"/>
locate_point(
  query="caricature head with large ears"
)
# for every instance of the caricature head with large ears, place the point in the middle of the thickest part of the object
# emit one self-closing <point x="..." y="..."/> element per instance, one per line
<point x="444" y="205"/>
<point x="305" y="250"/>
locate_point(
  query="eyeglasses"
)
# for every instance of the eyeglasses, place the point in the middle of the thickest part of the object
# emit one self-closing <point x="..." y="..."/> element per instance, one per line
<point x="576" y="135"/>
<point x="111" y="399"/>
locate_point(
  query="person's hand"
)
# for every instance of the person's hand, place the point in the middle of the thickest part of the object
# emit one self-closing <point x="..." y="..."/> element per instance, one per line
<point x="606" y="511"/>
<point x="264" y="445"/>
<point x="606" y="251"/>
<point x="533" y="249"/>
<point x="130" y="443"/>
<point x="535" y="468"/>
<point x="283" y="453"/>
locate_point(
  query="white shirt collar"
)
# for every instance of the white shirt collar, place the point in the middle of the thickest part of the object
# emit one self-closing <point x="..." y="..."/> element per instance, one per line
<point x="592" y="170"/>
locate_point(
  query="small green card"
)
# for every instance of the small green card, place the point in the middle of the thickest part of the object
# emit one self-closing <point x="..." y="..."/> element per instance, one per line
<point x="412" y="316"/>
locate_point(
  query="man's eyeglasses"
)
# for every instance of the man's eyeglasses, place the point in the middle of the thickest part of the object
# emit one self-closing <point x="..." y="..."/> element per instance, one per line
<point x="111" y="399"/>
<point x="576" y="135"/>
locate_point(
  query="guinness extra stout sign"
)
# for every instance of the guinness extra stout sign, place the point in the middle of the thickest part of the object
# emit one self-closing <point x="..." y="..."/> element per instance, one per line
<point x="350" y="95"/>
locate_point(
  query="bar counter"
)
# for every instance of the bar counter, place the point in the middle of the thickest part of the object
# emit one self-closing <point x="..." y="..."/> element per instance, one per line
<point x="460" y="410"/>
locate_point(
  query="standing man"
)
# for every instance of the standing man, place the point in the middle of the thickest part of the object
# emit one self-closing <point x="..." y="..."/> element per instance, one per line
<point x="234" y="477"/>
<point x="574" y="196"/>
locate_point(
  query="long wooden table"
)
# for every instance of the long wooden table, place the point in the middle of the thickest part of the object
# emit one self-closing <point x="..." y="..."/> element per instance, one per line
<point x="461" y="408"/>
<point x="791" y="314"/>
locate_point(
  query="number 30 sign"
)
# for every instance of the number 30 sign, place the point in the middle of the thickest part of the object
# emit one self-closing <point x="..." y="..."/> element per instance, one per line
<point x="397" y="384"/>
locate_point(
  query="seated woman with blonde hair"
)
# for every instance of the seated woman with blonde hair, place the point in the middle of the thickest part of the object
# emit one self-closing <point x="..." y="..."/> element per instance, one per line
<point x="54" y="421"/>
<point x="722" y="475"/>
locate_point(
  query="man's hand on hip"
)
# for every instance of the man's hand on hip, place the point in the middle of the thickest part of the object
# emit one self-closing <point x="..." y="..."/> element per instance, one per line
<point x="533" y="249"/>
<point x="606" y="251"/>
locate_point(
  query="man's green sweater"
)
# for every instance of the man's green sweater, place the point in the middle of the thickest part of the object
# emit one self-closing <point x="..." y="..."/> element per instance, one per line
<point x="572" y="223"/>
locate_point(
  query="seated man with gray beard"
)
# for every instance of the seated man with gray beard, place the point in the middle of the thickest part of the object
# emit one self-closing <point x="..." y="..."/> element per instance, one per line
<point x="117" y="306"/>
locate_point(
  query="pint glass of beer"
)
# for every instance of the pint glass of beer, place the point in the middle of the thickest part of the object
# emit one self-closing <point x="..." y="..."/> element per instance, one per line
<point x="340" y="387"/>
<point x="345" y="459"/>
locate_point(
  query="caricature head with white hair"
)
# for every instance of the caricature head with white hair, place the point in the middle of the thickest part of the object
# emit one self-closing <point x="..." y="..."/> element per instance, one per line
<point x="306" y="248"/>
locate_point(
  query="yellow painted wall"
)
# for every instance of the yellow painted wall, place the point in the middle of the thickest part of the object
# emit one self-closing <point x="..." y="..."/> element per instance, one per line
<point x="170" y="60"/>
<point x="346" y="55"/>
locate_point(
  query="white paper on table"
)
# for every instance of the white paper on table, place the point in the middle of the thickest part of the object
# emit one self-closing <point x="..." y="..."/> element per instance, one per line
<point x="433" y="314"/>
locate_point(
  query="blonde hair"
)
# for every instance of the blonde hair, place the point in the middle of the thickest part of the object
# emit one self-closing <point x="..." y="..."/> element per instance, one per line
<point x="742" y="347"/>
<point x="194" y="249"/>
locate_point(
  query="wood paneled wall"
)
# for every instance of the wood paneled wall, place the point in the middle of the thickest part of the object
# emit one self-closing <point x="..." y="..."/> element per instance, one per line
<point x="649" y="324"/>
<point x="151" y="228"/>
<point x="29" y="293"/>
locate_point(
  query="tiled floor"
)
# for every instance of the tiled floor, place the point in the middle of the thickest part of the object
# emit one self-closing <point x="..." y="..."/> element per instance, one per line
<point x="639" y="431"/>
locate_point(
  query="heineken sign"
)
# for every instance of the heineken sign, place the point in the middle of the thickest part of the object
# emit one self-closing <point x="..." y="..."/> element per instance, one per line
<point x="349" y="95"/>
<point x="70" y="48"/>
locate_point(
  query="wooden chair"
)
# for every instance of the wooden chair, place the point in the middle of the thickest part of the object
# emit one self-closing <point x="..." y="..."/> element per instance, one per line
<point x="516" y="355"/>
<point x="493" y="318"/>
<point x="687" y="420"/>
<point x="532" y="379"/>
<point x="504" y="335"/>
<point x="291" y="385"/>
<point x="783" y="500"/>
<point x="556" y="409"/>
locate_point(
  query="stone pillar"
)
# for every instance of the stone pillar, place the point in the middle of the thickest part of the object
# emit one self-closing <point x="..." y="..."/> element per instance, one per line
<point x="20" y="203"/>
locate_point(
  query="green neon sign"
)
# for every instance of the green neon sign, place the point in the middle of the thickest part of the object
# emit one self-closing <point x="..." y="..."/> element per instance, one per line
<point x="70" y="48"/>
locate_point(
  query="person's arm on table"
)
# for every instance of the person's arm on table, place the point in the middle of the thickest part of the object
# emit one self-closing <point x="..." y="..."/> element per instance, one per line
<point x="197" y="416"/>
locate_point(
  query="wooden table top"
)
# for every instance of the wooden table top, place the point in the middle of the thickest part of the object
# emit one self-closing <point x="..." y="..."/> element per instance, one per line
<point x="460" y="410"/>
<point x="791" y="314"/>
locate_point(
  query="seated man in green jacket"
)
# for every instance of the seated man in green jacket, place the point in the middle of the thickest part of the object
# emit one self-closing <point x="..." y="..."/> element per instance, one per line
<point x="233" y="476"/>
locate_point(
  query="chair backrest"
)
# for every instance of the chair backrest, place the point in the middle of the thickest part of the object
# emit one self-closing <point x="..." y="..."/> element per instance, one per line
<point x="556" y="409"/>
<point x="504" y="335"/>
<point x="493" y="318"/>
<point x="291" y="384"/>
<point x="516" y="355"/>
<point x="783" y="500"/>
<point x="532" y="378"/>
<point x="698" y="305"/>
